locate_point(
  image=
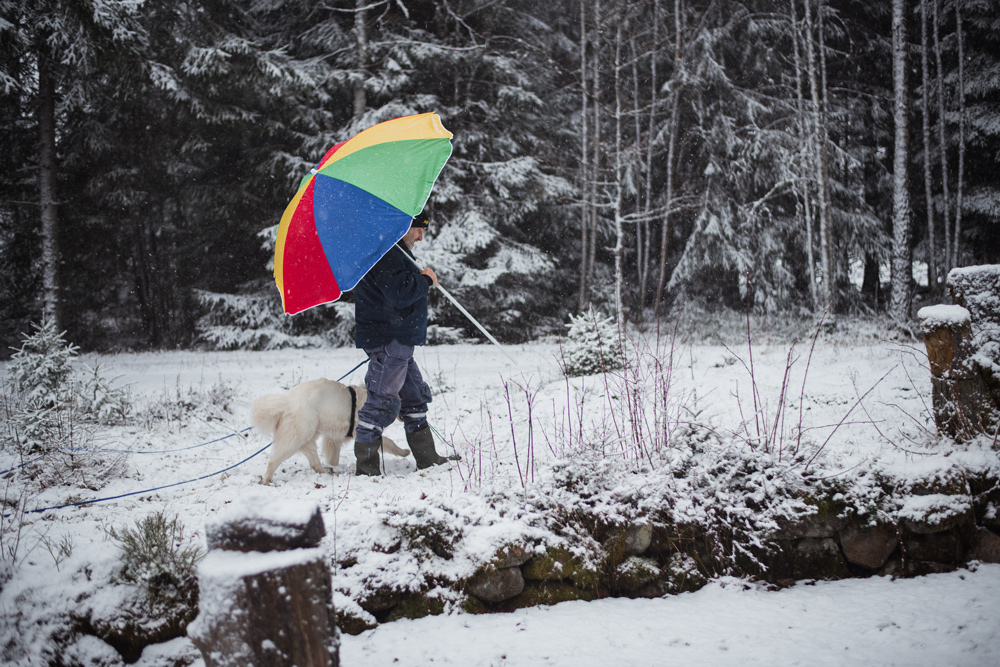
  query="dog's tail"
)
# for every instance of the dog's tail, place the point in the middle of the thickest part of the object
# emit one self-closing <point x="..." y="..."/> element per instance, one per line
<point x="266" y="412"/>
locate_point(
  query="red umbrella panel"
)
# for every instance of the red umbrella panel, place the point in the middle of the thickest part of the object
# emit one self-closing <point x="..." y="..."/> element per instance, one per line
<point x="354" y="206"/>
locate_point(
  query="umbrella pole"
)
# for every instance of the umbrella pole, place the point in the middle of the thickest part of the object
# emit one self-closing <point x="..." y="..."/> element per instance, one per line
<point x="466" y="313"/>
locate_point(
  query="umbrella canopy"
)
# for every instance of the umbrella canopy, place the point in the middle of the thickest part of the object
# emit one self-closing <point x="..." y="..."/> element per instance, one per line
<point x="354" y="206"/>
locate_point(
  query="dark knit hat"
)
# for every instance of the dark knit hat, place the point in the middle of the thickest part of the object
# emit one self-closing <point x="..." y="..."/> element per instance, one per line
<point x="419" y="222"/>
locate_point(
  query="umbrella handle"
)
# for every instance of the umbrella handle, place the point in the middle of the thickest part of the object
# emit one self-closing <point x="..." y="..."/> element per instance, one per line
<point x="465" y="312"/>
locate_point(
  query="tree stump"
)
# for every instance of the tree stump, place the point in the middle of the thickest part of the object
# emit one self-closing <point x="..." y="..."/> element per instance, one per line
<point x="265" y="590"/>
<point x="963" y="348"/>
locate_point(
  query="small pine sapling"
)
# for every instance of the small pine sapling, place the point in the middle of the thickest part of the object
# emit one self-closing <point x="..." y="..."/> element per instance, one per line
<point x="592" y="346"/>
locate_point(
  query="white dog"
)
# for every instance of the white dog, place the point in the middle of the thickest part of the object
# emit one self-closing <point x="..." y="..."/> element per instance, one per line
<point x="315" y="409"/>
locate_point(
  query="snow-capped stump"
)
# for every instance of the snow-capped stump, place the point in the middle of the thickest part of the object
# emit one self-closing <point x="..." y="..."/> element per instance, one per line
<point x="266" y="526"/>
<point x="264" y="598"/>
<point x="963" y="347"/>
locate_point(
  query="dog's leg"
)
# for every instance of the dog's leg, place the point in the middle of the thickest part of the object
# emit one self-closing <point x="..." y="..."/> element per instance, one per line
<point x="277" y="458"/>
<point x="287" y="436"/>
<point x="309" y="449"/>
<point x="331" y="448"/>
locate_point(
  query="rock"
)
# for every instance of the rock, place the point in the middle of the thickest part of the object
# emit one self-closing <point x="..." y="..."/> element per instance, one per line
<point x="809" y="558"/>
<point x="680" y="575"/>
<point x="560" y="563"/>
<point x="938" y="548"/>
<point x="935" y="513"/>
<point x="497" y="585"/>
<point x="635" y="573"/>
<point x="825" y="521"/>
<point x="132" y="625"/>
<point x="637" y="539"/>
<point x="869" y="546"/>
<point x="380" y="600"/>
<point x="547" y="593"/>
<point x="416" y="605"/>
<point x="511" y="555"/>
<point x="986" y="547"/>
<point x="354" y="623"/>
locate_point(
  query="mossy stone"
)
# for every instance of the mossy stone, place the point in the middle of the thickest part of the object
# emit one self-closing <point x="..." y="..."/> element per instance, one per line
<point x="416" y="605"/>
<point x="559" y="563"/>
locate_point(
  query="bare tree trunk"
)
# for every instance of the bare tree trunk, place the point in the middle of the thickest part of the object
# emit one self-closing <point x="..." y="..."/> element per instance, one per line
<point x="595" y="168"/>
<point x="942" y="143"/>
<point x="361" y="54"/>
<point x="641" y="222"/>
<point x="586" y="202"/>
<point x="960" y="185"/>
<point x="619" y="175"/>
<point x="678" y="80"/>
<point x="803" y="126"/>
<point x="902" y="271"/>
<point x="47" y="171"/>
<point x="820" y="159"/>
<point x="648" y="204"/>
<point x="932" y="278"/>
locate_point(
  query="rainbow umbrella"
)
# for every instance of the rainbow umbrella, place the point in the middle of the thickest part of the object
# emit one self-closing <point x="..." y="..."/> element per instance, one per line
<point x="354" y="206"/>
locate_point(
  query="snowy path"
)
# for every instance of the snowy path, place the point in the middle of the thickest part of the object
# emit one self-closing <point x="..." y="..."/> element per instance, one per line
<point x="940" y="620"/>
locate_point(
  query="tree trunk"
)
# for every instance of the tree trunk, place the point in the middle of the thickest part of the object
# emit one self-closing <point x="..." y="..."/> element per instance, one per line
<point x="942" y="143"/>
<point x="361" y="55"/>
<point x="932" y="278"/>
<point x="595" y="165"/>
<point x="47" y="173"/>
<point x="959" y="184"/>
<point x="678" y="80"/>
<point x="619" y="167"/>
<point x="803" y="126"/>
<point x="820" y="159"/>
<point x="641" y="198"/>
<point x="647" y="207"/>
<point x="585" y="203"/>
<point x="901" y="254"/>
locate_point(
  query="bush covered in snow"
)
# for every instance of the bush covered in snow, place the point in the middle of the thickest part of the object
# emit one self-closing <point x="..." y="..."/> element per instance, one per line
<point x="159" y="557"/>
<point x="49" y="398"/>
<point x="593" y="345"/>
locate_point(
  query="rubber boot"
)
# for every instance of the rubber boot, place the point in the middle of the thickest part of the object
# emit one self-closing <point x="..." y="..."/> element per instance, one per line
<point x="367" y="454"/>
<point x="421" y="443"/>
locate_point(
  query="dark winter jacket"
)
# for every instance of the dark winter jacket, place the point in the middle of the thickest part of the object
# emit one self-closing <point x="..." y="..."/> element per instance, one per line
<point x="390" y="302"/>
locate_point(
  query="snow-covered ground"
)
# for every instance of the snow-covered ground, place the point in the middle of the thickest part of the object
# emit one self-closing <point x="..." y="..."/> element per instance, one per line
<point x="863" y="403"/>
<point x="946" y="619"/>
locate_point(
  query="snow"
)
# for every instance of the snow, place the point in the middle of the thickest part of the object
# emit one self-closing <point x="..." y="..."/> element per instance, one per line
<point x="943" y="315"/>
<point x="946" y="619"/>
<point x="259" y="506"/>
<point x="859" y="403"/>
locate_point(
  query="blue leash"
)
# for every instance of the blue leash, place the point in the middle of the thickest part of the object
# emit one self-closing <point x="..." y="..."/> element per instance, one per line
<point x="135" y="493"/>
<point x="352" y="370"/>
<point x="166" y="486"/>
<point x="124" y="451"/>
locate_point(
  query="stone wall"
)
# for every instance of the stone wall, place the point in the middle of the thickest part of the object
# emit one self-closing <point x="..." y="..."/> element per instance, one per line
<point x="927" y="526"/>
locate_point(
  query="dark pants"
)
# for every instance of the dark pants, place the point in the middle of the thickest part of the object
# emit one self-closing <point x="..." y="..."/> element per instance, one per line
<point x="395" y="387"/>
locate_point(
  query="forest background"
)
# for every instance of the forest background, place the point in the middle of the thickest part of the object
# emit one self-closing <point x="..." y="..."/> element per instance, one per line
<point x="798" y="157"/>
